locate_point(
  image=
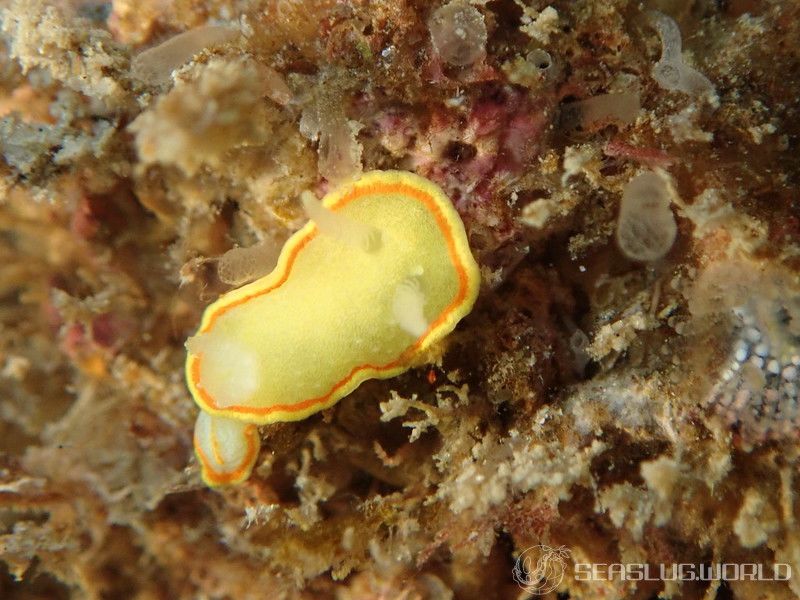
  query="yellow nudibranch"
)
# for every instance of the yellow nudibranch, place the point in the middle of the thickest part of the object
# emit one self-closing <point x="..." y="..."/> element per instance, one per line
<point x="381" y="271"/>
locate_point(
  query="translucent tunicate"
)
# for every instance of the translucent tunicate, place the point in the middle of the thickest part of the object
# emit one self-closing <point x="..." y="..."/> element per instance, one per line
<point x="646" y="228"/>
<point x="154" y="66"/>
<point x="241" y="265"/>
<point x="671" y="72"/>
<point x="619" y="108"/>
<point x="458" y="32"/>
<point x="540" y="59"/>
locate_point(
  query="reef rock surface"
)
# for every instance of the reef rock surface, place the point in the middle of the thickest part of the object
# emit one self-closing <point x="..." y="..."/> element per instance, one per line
<point x="625" y="391"/>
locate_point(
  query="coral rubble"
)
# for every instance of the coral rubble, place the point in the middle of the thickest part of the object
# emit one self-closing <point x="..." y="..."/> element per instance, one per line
<point x="625" y="390"/>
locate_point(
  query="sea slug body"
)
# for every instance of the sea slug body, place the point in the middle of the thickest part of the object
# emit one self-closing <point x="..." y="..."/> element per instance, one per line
<point x="382" y="270"/>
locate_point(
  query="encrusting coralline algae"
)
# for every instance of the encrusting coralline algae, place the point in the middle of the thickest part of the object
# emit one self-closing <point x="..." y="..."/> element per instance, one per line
<point x="623" y="391"/>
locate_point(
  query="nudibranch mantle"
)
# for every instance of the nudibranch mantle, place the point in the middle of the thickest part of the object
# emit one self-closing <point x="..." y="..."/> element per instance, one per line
<point x="333" y="313"/>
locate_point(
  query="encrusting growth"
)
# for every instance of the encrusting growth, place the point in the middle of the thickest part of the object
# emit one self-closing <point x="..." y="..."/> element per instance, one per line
<point x="347" y="302"/>
<point x="756" y="387"/>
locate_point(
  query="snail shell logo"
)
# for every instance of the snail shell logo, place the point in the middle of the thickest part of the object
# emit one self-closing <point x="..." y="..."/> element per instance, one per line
<point x="540" y="569"/>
